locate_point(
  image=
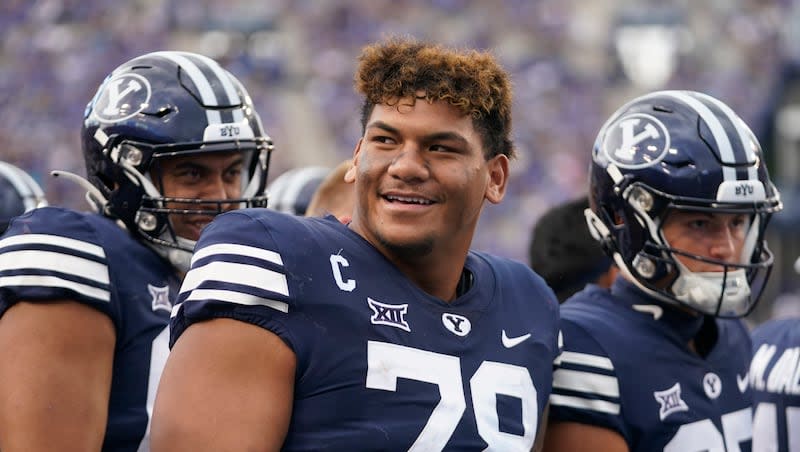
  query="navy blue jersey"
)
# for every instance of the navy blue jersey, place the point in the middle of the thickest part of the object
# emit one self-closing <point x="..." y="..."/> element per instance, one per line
<point x="379" y="361"/>
<point x="626" y="366"/>
<point x="775" y="382"/>
<point x="52" y="253"/>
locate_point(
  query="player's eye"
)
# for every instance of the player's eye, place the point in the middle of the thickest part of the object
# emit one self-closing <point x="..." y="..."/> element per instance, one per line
<point x="698" y="223"/>
<point x="190" y="173"/>
<point x="233" y="173"/>
<point x="383" y="139"/>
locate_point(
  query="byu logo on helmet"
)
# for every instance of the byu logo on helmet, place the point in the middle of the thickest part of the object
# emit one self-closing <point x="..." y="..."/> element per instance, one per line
<point x="122" y="97"/>
<point x="636" y="141"/>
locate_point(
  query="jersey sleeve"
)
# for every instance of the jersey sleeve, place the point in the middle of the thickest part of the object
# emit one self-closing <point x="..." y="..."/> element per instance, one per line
<point x="53" y="254"/>
<point x="585" y="384"/>
<point x="237" y="272"/>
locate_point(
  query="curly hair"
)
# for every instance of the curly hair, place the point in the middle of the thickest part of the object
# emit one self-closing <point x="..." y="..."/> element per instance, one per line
<point x="469" y="80"/>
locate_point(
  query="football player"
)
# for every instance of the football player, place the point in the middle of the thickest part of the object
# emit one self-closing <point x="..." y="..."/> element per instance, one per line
<point x="388" y="333"/>
<point x="170" y="140"/>
<point x="19" y="193"/>
<point x="774" y="380"/>
<point x="680" y="198"/>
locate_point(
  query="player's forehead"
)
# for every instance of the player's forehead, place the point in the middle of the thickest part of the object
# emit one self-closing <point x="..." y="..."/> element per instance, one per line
<point x="423" y="120"/>
<point x="678" y="215"/>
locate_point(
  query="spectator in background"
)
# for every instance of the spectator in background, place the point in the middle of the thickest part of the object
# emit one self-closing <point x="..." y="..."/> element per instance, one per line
<point x="291" y="192"/>
<point x="334" y="196"/>
<point x="565" y="254"/>
<point x="19" y="193"/>
<point x="773" y="380"/>
<point x="387" y="333"/>
<point x="170" y="140"/>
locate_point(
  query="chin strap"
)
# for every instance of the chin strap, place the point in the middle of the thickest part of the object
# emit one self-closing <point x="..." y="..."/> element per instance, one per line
<point x="180" y="257"/>
<point x="713" y="293"/>
<point x="97" y="201"/>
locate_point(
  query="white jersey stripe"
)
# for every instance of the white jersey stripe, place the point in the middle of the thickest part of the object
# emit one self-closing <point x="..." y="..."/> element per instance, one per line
<point x="239" y="250"/>
<point x="227" y="85"/>
<point x="56" y="240"/>
<point x="58" y="262"/>
<point x="591" y="383"/>
<point x="584" y="359"/>
<point x="54" y="281"/>
<point x="236" y="297"/>
<point x="717" y="130"/>
<point x="247" y="275"/>
<point x="200" y="81"/>
<point x="586" y="404"/>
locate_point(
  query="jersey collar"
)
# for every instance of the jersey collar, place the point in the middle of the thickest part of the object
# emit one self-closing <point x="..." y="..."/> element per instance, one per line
<point x="685" y="324"/>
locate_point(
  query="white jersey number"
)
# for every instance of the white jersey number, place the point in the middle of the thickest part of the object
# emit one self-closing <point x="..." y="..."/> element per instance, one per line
<point x="765" y="428"/>
<point x="387" y="362"/>
<point x="704" y="436"/>
<point x="158" y="357"/>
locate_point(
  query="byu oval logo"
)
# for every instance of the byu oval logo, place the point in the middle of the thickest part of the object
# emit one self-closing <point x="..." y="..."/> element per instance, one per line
<point x="636" y="141"/>
<point x="457" y="324"/>
<point x="712" y="384"/>
<point x="122" y="97"/>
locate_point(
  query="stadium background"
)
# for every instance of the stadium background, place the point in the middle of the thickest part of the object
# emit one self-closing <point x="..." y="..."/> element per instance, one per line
<point x="572" y="63"/>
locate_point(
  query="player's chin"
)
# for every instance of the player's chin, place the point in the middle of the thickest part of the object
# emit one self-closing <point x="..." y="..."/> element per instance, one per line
<point x="408" y="242"/>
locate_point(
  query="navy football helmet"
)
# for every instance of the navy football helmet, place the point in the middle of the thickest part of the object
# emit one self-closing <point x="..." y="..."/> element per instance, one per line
<point x="162" y="105"/>
<point x="19" y="193"/>
<point x="681" y="150"/>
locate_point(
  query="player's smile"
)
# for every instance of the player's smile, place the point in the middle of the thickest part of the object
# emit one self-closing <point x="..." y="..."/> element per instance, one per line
<point x="192" y="226"/>
<point x="407" y="202"/>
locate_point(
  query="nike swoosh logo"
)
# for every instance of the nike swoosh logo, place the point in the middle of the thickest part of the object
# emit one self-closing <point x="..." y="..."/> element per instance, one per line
<point x="655" y="311"/>
<point x="742" y="382"/>
<point x="509" y="342"/>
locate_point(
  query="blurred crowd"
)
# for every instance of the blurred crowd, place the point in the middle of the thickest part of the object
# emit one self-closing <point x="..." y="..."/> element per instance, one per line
<point x="571" y="61"/>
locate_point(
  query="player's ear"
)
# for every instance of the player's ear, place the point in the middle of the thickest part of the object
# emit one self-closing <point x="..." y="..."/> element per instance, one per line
<point x="350" y="175"/>
<point x="498" y="178"/>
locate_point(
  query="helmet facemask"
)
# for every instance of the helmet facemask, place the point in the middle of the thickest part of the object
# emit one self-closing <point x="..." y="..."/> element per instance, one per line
<point x="661" y="269"/>
<point x="156" y="216"/>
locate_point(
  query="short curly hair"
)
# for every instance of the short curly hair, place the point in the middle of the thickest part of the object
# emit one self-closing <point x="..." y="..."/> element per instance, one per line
<point x="470" y="80"/>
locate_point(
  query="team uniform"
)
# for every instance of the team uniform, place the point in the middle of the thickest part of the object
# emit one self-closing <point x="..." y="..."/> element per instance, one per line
<point x="626" y="366"/>
<point x="58" y="254"/>
<point x="381" y="365"/>
<point x="775" y="382"/>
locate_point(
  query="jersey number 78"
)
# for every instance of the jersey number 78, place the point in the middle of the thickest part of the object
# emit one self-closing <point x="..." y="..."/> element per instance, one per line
<point x="387" y="362"/>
